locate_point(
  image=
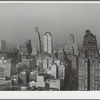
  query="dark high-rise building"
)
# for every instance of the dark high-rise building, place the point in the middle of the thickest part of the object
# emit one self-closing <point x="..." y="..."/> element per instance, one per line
<point x="83" y="71"/>
<point x="23" y="77"/>
<point x="68" y="72"/>
<point x="29" y="47"/>
<point x="32" y="63"/>
<point x="1" y="72"/>
<point x="71" y="39"/>
<point x="74" y="60"/>
<point x="90" y="44"/>
<point x="89" y="65"/>
<point x="3" y="46"/>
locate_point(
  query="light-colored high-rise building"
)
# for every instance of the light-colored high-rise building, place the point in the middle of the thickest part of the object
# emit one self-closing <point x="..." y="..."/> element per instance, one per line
<point x="61" y="54"/>
<point x="36" y="42"/>
<point x="71" y="47"/>
<point x="68" y="49"/>
<point x="7" y="68"/>
<point x="48" y="46"/>
<point x="61" y="71"/>
<point x="47" y="62"/>
<point x="54" y="69"/>
<point x="45" y="43"/>
<point x="74" y="45"/>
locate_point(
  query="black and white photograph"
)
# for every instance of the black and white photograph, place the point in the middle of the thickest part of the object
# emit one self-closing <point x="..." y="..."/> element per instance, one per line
<point x="49" y="47"/>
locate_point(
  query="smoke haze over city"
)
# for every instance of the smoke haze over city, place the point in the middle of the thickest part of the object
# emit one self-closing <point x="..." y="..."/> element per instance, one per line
<point x="17" y="21"/>
<point x="49" y="47"/>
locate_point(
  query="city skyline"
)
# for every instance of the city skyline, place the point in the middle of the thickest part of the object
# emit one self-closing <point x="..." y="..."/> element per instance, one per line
<point x="19" y="20"/>
<point x="53" y="47"/>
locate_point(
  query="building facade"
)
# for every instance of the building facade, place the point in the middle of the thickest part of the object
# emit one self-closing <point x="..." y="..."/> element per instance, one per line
<point x="71" y="47"/>
<point x="36" y="42"/>
<point x="61" y="55"/>
<point x="48" y="45"/>
<point x="29" y="47"/>
<point x="83" y="69"/>
<point x="3" y="46"/>
<point x="61" y="71"/>
<point x="92" y="68"/>
<point x="54" y="70"/>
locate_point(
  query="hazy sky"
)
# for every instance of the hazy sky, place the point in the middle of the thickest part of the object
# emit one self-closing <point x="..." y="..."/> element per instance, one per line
<point x="18" y="21"/>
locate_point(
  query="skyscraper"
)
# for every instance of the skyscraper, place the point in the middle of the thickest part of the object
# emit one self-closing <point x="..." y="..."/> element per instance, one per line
<point x="71" y="39"/>
<point x="36" y="42"/>
<point x="61" y="54"/>
<point x="92" y="54"/>
<point x="1" y="72"/>
<point x="74" y="45"/>
<point x="83" y="72"/>
<point x="29" y="48"/>
<point x="54" y="70"/>
<point x="90" y="44"/>
<point x="3" y="46"/>
<point x="71" y="47"/>
<point x="61" y="71"/>
<point x="48" y="46"/>
<point x="68" y="49"/>
<point x="74" y="60"/>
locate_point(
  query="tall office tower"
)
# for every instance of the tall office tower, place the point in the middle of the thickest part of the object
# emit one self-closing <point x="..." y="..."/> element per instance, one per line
<point x="1" y="72"/>
<point x="74" y="60"/>
<point x="71" y="39"/>
<point x="68" y="73"/>
<point x="90" y="44"/>
<point x="1" y="69"/>
<point x="3" y="46"/>
<point x="83" y="72"/>
<point x="47" y="62"/>
<point x="74" y="45"/>
<point x="94" y="74"/>
<point x="55" y="54"/>
<point x="90" y="48"/>
<point x="68" y="49"/>
<point x="76" y="49"/>
<point x="61" y="71"/>
<point x="61" y="55"/>
<point x="54" y="70"/>
<point x="99" y="74"/>
<point x="48" y="45"/>
<point x="8" y="68"/>
<point x="36" y="43"/>
<point x="71" y="47"/>
<point x="29" y="47"/>
<point x="32" y="63"/>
